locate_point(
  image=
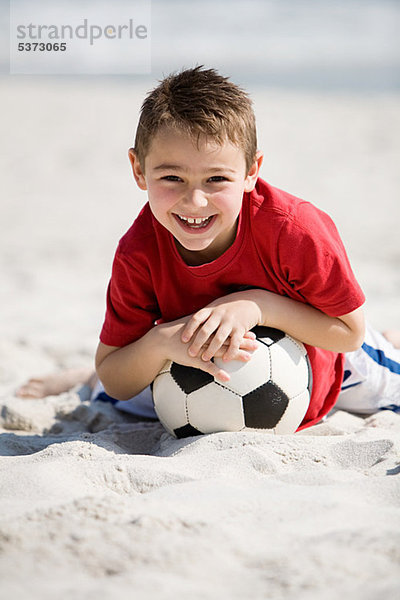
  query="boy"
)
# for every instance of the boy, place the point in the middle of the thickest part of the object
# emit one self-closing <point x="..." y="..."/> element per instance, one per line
<point x="216" y="251"/>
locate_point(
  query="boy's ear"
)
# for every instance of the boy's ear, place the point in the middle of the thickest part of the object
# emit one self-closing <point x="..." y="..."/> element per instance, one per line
<point x="252" y="175"/>
<point x="137" y="169"/>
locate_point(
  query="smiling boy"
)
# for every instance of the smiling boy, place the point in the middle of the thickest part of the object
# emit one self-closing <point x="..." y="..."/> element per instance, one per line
<point x="217" y="251"/>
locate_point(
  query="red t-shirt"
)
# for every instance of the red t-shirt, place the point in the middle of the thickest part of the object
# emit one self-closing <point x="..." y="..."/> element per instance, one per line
<point x="283" y="244"/>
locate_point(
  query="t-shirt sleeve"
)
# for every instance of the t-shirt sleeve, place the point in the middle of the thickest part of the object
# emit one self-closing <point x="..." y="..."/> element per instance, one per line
<point x="315" y="263"/>
<point x="132" y="308"/>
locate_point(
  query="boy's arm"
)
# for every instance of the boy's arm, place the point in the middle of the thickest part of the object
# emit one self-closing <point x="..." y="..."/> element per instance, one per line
<point x="126" y="371"/>
<point x="120" y="371"/>
<point x="238" y="312"/>
<point x="312" y="326"/>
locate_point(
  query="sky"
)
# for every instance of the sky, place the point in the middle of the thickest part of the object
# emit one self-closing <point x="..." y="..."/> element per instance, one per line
<point x="317" y="44"/>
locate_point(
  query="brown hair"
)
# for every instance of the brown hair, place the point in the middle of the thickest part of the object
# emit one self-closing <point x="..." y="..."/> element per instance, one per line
<point x="198" y="102"/>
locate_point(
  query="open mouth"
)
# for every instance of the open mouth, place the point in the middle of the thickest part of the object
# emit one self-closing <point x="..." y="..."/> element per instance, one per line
<point x="193" y="223"/>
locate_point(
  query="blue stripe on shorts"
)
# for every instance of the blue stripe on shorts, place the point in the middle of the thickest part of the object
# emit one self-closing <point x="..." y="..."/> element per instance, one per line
<point x="380" y="357"/>
<point x="103" y="397"/>
<point x="346" y="375"/>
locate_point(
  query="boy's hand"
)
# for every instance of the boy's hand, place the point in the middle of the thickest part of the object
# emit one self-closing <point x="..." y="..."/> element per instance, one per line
<point x="222" y="326"/>
<point x="173" y="348"/>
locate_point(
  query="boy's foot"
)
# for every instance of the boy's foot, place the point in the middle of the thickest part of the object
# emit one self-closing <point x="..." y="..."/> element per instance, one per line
<point x="56" y="383"/>
<point x="393" y="337"/>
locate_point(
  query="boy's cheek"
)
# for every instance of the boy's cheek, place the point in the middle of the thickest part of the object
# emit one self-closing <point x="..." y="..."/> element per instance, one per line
<point x="160" y="194"/>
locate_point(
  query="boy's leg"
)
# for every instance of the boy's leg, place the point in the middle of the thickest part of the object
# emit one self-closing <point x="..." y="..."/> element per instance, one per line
<point x="63" y="381"/>
<point x="371" y="376"/>
<point x="56" y="383"/>
<point x="393" y="336"/>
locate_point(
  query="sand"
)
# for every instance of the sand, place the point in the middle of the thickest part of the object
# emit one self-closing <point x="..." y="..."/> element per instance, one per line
<point x="97" y="505"/>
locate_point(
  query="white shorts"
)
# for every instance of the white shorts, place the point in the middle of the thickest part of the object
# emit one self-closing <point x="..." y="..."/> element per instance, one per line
<point x="371" y="377"/>
<point x="140" y="406"/>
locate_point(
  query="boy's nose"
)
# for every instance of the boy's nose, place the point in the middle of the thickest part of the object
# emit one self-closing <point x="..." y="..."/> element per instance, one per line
<point x="195" y="198"/>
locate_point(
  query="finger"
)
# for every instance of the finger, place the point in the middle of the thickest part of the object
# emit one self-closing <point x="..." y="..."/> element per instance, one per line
<point x="250" y="335"/>
<point x="236" y="339"/>
<point x="219" y="339"/>
<point x="241" y="355"/>
<point x="194" y="323"/>
<point x="247" y="344"/>
<point x="214" y="370"/>
<point x="205" y="335"/>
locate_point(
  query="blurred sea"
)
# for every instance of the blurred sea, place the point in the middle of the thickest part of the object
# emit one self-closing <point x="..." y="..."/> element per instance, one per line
<point x="307" y="44"/>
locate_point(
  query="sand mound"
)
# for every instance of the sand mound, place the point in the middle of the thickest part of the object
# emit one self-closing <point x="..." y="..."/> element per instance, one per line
<point x="95" y="504"/>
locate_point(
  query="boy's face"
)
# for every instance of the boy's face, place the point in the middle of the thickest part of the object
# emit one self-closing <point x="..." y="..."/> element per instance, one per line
<point x="195" y="191"/>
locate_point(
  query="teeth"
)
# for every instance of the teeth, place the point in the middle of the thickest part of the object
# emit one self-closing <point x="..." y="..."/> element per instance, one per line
<point x="194" y="220"/>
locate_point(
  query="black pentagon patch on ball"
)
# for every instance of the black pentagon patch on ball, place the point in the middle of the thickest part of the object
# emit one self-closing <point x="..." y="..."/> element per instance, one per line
<point x="274" y="335"/>
<point x="189" y="379"/>
<point x="264" y="407"/>
<point x="186" y="431"/>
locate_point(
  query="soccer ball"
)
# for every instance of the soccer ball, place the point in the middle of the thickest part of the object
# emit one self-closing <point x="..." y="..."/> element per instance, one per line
<point x="269" y="393"/>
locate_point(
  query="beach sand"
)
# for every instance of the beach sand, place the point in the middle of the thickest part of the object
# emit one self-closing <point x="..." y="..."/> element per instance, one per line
<point x="97" y="505"/>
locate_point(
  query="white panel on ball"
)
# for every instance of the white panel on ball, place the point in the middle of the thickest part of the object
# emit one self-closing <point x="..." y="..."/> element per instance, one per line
<point x="289" y="369"/>
<point x="213" y="408"/>
<point x="247" y="376"/>
<point x="294" y="414"/>
<point x="170" y="403"/>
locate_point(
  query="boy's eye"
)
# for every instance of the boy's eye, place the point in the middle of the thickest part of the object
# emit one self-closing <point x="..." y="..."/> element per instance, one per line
<point x="217" y="179"/>
<point x="171" y="178"/>
<point x="214" y="179"/>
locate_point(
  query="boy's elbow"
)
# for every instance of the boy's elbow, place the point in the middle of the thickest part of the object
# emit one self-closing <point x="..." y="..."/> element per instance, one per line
<point x="357" y="335"/>
<point x="354" y="330"/>
<point x="106" y="370"/>
<point x="115" y="393"/>
<point x="112" y="387"/>
<point x="355" y="343"/>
